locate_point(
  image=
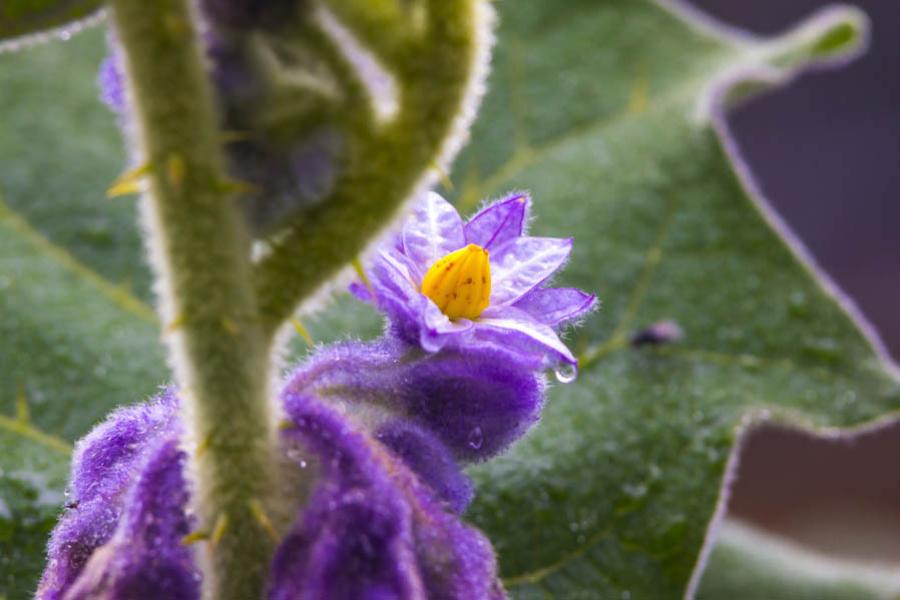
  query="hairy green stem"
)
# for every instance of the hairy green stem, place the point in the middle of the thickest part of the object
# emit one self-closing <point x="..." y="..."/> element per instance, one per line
<point x="201" y="253"/>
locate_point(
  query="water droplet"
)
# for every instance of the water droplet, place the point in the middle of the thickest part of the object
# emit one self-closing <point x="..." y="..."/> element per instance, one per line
<point x="476" y="438"/>
<point x="566" y="373"/>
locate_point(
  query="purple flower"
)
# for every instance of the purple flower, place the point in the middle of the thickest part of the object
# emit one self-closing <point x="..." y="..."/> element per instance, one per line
<point x="125" y="517"/>
<point x="445" y="284"/>
<point x="431" y="410"/>
<point x="371" y="529"/>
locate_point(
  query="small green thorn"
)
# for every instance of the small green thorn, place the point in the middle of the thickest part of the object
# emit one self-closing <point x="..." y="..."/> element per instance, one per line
<point x="234" y="136"/>
<point x="361" y="273"/>
<point x="638" y="100"/>
<point x="194" y="537"/>
<point x="230" y="326"/>
<point x="234" y="186"/>
<point x="204" y="445"/>
<point x="175" y="324"/>
<point x="219" y="530"/>
<point x="22" y="413"/>
<point x="130" y="182"/>
<point x="263" y="519"/>
<point x="302" y="331"/>
<point x="443" y="176"/>
<point x="176" y="170"/>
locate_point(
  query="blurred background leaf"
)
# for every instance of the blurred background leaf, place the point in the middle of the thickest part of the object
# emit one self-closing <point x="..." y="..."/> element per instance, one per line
<point x="19" y="18"/>
<point x="594" y="108"/>
<point x="75" y="341"/>
<point x="751" y="565"/>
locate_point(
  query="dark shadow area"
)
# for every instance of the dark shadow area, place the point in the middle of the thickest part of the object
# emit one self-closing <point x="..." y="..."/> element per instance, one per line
<point x="840" y="496"/>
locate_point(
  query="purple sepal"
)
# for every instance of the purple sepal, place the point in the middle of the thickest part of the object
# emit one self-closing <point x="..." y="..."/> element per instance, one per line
<point x="371" y="530"/>
<point x="476" y="402"/>
<point x="430" y="459"/>
<point x="103" y="472"/>
<point x="145" y="558"/>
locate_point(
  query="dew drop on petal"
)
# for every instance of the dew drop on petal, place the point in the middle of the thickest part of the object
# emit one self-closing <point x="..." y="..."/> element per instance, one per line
<point x="566" y="373"/>
<point x="476" y="438"/>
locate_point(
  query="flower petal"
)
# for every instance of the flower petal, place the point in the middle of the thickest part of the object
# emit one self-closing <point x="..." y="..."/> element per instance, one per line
<point x="438" y="329"/>
<point x="510" y="327"/>
<point x="433" y="230"/>
<point x="396" y="295"/>
<point x="145" y="558"/>
<point x="554" y="306"/>
<point x="499" y="222"/>
<point x="522" y="264"/>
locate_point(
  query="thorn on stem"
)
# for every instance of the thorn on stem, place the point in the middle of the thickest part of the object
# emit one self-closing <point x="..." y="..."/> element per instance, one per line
<point x="361" y="273"/>
<point x="234" y="186"/>
<point x="22" y="413"/>
<point x="263" y="519"/>
<point x="219" y="530"/>
<point x="302" y="332"/>
<point x="194" y="537"/>
<point x="130" y="182"/>
<point x="175" y="324"/>
<point x="175" y="170"/>
<point x="226" y="137"/>
<point x="443" y="176"/>
<point x="230" y="326"/>
<point x="204" y="445"/>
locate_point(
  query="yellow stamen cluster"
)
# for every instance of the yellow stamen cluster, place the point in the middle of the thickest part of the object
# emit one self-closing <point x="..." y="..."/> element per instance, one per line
<point x="460" y="283"/>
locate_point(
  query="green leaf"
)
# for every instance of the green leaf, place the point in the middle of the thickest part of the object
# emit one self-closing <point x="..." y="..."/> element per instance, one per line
<point x="19" y="18"/>
<point x="60" y="150"/>
<point x="604" y="111"/>
<point x="747" y="564"/>
<point x="73" y="345"/>
<point x="610" y="114"/>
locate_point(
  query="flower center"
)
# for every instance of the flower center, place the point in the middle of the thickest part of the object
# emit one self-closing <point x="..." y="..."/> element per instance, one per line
<point x="460" y="283"/>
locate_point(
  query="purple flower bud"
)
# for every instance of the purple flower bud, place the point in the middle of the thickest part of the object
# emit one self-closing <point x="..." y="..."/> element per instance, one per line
<point x="430" y="459"/>
<point x="145" y="557"/>
<point x="476" y="402"/>
<point x="116" y="472"/>
<point x="372" y="530"/>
